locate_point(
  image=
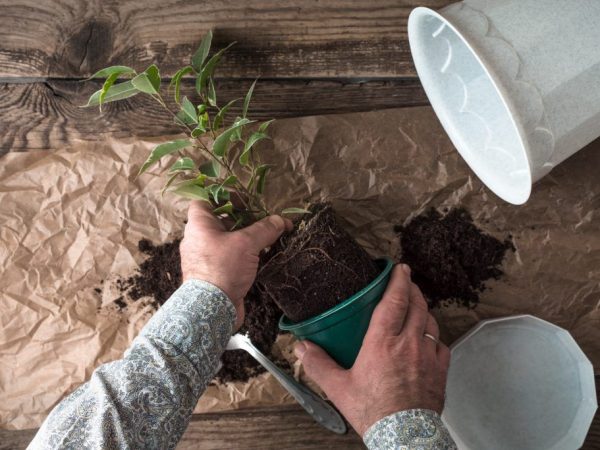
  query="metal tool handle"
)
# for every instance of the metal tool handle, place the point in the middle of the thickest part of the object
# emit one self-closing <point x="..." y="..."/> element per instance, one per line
<point x="314" y="405"/>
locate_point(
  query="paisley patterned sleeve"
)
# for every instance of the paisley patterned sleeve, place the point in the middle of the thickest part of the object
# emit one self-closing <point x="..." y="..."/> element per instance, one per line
<point x="145" y="400"/>
<point x="414" y="429"/>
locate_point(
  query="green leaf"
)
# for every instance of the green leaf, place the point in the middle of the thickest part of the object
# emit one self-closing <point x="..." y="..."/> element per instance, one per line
<point x="108" y="71"/>
<point x="204" y="120"/>
<point x="162" y="150"/>
<point x="220" y="117"/>
<point x="142" y="82"/>
<point x="184" y="163"/>
<point x="209" y="68"/>
<point x="212" y="94"/>
<point x="154" y="76"/>
<point x="201" y="108"/>
<point x="218" y="193"/>
<point x="295" y="211"/>
<point x="198" y="131"/>
<point x="169" y="183"/>
<point x="106" y="86"/>
<point x="202" y="52"/>
<point x="247" y="99"/>
<point x="113" y="72"/>
<point x="227" y="208"/>
<point x="261" y="175"/>
<point x="189" y="189"/>
<point x="176" y="80"/>
<point x="263" y="126"/>
<point x="210" y="168"/>
<point x="190" y="111"/>
<point x="116" y="92"/>
<point x="229" y="181"/>
<point x="222" y="141"/>
<point x="182" y="118"/>
<point x="253" y="139"/>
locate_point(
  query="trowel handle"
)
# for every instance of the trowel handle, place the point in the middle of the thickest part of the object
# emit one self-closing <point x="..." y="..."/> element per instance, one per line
<point x="314" y="405"/>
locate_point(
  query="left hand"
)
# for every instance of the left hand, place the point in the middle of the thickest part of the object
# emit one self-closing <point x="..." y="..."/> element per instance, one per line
<point x="229" y="260"/>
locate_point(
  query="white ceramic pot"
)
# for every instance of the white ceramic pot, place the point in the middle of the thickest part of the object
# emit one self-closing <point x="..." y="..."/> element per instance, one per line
<point x="519" y="383"/>
<point x="515" y="83"/>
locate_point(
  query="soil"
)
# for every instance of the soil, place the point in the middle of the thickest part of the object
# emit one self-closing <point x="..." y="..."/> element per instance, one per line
<point x="450" y="257"/>
<point x="159" y="275"/>
<point x="261" y="325"/>
<point x="307" y="272"/>
<point x="314" y="267"/>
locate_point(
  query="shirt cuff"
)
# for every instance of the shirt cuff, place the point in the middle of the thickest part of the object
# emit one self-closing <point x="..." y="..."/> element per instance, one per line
<point x="420" y="429"/>
<point x="196" y="321"/>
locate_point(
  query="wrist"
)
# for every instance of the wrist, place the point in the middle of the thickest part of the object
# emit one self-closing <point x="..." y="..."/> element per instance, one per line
<point x="238" y="304"/>
<point x="408" y="428"/>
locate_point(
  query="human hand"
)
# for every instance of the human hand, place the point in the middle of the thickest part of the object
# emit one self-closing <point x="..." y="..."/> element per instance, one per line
<point x="229" y="260"/>
<point x="398" y="367"/>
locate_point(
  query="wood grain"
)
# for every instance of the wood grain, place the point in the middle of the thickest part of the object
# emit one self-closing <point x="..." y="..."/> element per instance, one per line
<point x="47" y="115"/>
<point x="334" y="38"/>
<point x="278" y="428"/>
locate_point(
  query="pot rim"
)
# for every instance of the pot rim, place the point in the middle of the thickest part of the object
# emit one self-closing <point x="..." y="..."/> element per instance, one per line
<point x="287" y="325"/>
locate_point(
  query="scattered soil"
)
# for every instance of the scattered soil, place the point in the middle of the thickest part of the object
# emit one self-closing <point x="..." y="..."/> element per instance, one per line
<point x="308" y="271"/>
<point x="159" y="275"/>
<point x="261" y="325"/>
<point x="314" y="267"/>
<point x="450" y="257"/>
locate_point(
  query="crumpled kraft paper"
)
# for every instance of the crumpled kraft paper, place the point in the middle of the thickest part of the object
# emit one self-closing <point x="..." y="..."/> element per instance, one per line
<point x="71" y="220"/>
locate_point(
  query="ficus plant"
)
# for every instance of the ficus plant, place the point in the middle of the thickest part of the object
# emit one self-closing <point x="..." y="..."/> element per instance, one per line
<point x="218" y="160"/>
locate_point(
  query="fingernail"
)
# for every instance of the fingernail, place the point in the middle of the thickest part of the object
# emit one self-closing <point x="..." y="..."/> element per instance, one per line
<point x="277" y="221"/>
<point x="299" y="350"/>
<point x="406" y="269"/>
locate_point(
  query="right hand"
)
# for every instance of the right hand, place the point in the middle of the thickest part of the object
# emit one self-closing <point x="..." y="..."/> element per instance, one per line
<point x="228" y="260"/>
<point x="397" y="368"/>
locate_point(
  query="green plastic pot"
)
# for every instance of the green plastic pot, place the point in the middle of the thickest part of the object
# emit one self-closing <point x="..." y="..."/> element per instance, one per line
<point x="341" y="329"/>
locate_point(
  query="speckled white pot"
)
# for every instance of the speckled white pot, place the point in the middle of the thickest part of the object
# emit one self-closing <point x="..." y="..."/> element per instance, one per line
<point x="515" y="83"/>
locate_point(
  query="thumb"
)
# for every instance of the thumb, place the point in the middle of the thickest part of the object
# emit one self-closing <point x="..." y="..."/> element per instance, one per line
<point x="264" y="232"/>
<point x="320" y="367"/>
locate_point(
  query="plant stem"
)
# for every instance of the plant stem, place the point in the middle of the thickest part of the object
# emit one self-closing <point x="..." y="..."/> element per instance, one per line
<point x="253" y="199"/>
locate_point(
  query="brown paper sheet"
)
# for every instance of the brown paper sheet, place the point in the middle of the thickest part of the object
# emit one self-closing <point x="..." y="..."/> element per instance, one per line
<point x="71" y="220"/>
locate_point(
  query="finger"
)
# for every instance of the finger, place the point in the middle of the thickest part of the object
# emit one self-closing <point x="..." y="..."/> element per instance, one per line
<point x="200" y="215"/>
<point x="431" y="329"/>
<point x="416" y="318"/>
<point x="389" y="315"/>
<point x="443" y="355"/>
<point x="264" y="232"/>
<point x="319" y="366"/>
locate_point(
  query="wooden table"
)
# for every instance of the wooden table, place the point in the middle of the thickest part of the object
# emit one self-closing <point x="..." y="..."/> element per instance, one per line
<point x="312" y="57"/>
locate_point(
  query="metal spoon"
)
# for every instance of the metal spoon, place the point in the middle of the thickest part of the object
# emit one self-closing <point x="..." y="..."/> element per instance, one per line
<point x="314" y="405"/>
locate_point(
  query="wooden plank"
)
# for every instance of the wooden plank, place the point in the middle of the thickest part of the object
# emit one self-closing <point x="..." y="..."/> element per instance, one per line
<point x="279" y="428"/>
<point x="265" y="428"/>
<point x="336" y="38"/>
<point x="47" y="115"/>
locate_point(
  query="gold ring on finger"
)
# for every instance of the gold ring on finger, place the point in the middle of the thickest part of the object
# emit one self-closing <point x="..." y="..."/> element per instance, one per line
<point x="432" y="337"/>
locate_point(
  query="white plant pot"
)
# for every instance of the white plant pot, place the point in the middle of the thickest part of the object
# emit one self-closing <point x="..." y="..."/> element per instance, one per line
<point x="519" y="383"/>
<point x="515" y="83"/>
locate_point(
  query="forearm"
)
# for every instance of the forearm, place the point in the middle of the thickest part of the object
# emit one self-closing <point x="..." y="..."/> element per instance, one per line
<point x="413" y="429"/>
<point x="145" y="400"/>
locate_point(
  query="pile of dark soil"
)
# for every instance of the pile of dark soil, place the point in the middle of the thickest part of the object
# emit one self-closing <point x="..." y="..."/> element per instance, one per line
<point x="315" y="266"/>
<point x="450" y="257"/>
<point x="159" y="275"/>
